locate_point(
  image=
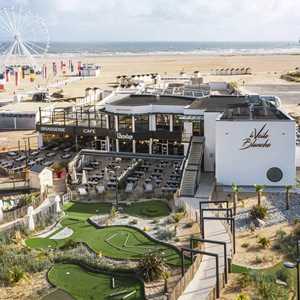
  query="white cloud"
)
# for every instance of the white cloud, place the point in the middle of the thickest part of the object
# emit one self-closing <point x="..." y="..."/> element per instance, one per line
<point x="169" y="19"/>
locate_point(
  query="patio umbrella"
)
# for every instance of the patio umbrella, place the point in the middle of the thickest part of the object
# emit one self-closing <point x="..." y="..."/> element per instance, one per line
<point x="31" y="225"/>
<point x="1" y="211"/>
<point x="84" y="179"/>
<point x="74" y="174"/>
<point x="57" y="204"/>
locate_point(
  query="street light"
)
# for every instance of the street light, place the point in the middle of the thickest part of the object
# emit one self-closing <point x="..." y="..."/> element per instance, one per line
<point x="293" y="265"/>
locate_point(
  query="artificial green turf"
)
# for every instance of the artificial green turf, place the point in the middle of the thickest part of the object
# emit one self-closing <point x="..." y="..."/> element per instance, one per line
<point x="115" y="242"/>
<point x="85" y="285"/>
<point x="148" y="209"/>
<point x="83" y="211"/>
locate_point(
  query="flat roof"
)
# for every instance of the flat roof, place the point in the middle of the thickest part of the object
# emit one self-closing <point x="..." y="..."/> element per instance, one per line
<point x="217" y="103"/>
<point x="32" y="106"/>
<point x="142" y="100"/>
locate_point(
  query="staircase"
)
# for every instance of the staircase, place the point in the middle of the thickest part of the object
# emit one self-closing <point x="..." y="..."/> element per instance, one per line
<point x="192" y="169"/>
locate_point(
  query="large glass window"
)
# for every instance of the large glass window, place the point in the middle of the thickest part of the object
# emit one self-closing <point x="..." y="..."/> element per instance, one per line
<point x="141" y="123"/>
<point x="198" y="128"/>
<point x="142" y="146"/>
<point x="125" y="146"/>
<point x="125" y="123"/>
<point x="101" y="120"/>
<point x="178" y="123"/>
<point x="111" y="121"/>
<point x="162" y="122"/>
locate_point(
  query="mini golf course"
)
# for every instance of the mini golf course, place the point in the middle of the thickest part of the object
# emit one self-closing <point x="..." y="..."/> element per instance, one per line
<point x="148" y="209"/>
<point x="117" y="242"/>
<point x="85" y="285"/>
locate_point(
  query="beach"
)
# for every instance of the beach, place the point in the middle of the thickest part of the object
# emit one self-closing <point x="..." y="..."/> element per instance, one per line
<point x="266" y="70"/>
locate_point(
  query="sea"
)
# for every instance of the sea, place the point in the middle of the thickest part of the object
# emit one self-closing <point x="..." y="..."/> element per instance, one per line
<point x="172" y="48"/>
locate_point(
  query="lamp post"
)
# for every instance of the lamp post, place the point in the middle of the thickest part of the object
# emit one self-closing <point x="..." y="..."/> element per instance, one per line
<point x="293" y="265"/>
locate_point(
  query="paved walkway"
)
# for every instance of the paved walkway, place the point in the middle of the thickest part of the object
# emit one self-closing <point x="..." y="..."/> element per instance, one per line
<point x="205" y="278"/>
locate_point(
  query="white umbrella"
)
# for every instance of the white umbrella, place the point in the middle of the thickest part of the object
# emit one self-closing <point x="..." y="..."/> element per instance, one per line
<point x="84" y="179"/>
<point x="1" y="211"/>
<point x="57" y="202"/>
<point x="31" y="225"/>
<point x="74" y="174"/>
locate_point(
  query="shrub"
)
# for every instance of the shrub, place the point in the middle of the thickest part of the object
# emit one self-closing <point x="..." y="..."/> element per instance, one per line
<point x="264" y="242"/>
<point x="69" y="244"/>
<point x="296" y="231"/>
<point x="258" y="260"/>
<point x="284" y="275"/>
<point x="189" y="225"/>
<point x="244" y="280"/>
<point x="259" y="212"/>
<point x="178" y="216"/>
<point x="245" y="245"/>
<point x="165" y="234"/>
<point x="242" y="297"/>
<point x="152" y="267"/>
<point x="280" y="234"/>
<point x="16" y="274"/>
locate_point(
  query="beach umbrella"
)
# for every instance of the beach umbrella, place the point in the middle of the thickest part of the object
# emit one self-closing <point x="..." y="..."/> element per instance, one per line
<point x="31" y="225"/>
<point x="84" y="179"/>
<point x="1" y="211"/>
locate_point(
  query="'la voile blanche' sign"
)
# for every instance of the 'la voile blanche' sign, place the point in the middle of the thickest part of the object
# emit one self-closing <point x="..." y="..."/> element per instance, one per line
<point x="257" y="139"/>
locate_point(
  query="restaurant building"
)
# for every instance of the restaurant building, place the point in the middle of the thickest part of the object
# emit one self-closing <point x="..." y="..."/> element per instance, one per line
<point x="244" y="140"/>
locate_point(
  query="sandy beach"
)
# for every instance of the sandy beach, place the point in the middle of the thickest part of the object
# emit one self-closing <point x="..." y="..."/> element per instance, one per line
<point x="266" y="70"/>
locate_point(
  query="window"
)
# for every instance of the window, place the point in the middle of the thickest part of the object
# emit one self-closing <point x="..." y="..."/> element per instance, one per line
<point x="101" y="120"/>
<point x="111" y="121"/>
<point x="142" y="123"/>
<point x="125" y="123"/>
<point x="162" y="122"/>
<point x="178" y="123"/>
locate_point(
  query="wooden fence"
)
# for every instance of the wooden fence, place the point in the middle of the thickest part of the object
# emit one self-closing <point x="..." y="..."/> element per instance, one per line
<point x="186" y="279"/>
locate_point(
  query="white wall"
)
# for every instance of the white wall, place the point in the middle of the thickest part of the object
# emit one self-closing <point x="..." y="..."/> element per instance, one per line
<point x="210" y="140"/>
<point x="250" y="166"/>
<point x="298" y="156"/>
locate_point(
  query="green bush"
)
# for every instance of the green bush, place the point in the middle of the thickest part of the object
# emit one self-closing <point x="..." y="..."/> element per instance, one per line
<point x="245" y="245"/>
<point x="259" y="212"/>
<point x="165" y="234"/>
<point x="69" y="244"/>
<point x="264" y="242"/>
<point x="284" y="275"/>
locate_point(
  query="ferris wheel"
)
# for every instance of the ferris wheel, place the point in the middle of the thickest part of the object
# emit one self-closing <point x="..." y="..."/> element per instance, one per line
<point x="24" y="37"/>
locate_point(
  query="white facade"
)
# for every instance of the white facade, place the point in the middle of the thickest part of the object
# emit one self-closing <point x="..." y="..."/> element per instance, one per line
<point x="247" y="150"/>
<point x="41" y="180"/>
<point x="210" y="119"/>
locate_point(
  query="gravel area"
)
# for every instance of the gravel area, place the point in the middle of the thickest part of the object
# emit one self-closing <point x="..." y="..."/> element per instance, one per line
<point x="277" y="213"/>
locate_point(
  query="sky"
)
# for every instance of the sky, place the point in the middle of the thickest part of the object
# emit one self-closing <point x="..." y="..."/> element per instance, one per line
<point x="167" y="20"/>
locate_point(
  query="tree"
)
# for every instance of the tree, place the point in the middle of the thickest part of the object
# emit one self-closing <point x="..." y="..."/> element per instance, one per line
<point x="152" y="267"/>
<point x="259" y="189"/>
<point x="235" y="190"/>
<point x="287" y="196"/>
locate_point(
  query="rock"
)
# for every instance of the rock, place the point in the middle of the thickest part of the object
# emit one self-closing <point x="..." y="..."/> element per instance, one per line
<point x="259" y="223"/>
<point x="282" y="283"/>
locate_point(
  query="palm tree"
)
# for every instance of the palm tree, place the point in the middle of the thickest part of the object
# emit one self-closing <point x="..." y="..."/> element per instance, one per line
<point x="259" y="189"/>
<point x="287" y="196"/>
<point x="152" y="266"/>
<point x="235" y="189"/>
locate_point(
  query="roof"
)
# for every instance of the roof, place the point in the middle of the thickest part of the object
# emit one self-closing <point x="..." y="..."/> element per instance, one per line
<point x="142" y="100"/>
<point x="38" y="169"/>
<point x="217" y="103"/>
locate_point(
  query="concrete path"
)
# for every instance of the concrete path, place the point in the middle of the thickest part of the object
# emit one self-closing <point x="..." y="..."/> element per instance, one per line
<point x="204" y="280"/>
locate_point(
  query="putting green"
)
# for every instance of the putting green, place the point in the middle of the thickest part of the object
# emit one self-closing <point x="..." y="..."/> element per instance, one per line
<point x="115" y="242"/>
<point x="83" y="211"/>
<point x="86" y="285"/>
<point x="148" y="209"/>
